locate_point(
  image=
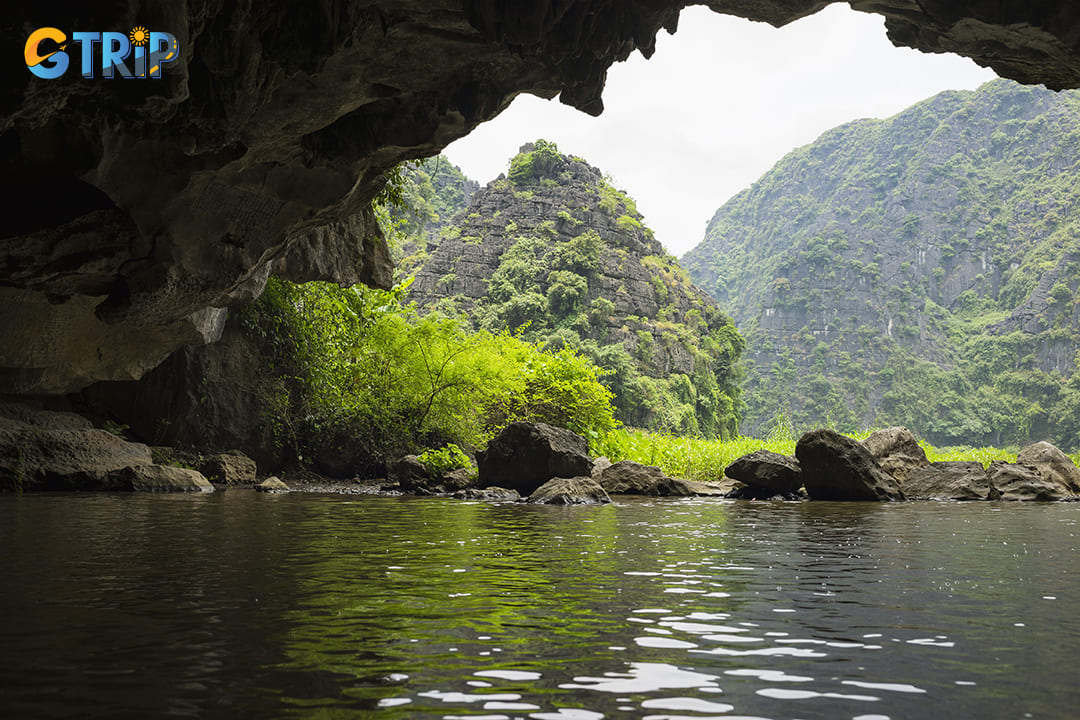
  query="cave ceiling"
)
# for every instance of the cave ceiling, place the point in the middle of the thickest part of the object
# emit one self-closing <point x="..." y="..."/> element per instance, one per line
<point x="138" y="210"/>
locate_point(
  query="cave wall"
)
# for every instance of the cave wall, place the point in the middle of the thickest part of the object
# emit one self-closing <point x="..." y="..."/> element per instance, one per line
<point x="137" y="211"/>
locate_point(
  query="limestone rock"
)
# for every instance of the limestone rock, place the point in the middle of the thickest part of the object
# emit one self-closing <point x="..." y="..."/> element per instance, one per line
<point x="231" y="468"/>
<point x="627" y="477"/>
<point x="1054" y="465"/>
<point x="569" y="491"/>
<point x="600" y="464"/>
<point x="896" y="451"/>
<point x="526" y="455"/>
<point x="409" y="473"/>
<point x="765" y="473"/>
<point x="950" y="480"/>
<point x="60" y="451"/>
<point x="835" y="467"/>
<point x="157" y="478"/>
<point x="488" y="494"/>
<point x="1025" y="482"/>
<point x="272" y="485"/>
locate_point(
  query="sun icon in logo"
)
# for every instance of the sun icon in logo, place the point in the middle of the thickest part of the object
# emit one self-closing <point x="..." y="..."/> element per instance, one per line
<point x="139" y="36"/>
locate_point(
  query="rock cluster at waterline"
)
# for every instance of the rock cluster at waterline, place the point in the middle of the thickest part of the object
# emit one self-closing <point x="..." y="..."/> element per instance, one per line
<point x="890" y="465"/>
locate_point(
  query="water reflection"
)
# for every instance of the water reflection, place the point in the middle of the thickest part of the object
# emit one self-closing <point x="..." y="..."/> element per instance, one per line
<point x="411" y="608"/>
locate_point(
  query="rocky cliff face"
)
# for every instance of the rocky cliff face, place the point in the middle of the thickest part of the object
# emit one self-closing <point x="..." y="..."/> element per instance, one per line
<point x="919" y="270"/>
<point x="556" y="253"/>
<point x="138" y="210"/>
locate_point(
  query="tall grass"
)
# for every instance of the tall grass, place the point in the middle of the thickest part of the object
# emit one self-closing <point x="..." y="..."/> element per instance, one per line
<point x="704" y="460"/>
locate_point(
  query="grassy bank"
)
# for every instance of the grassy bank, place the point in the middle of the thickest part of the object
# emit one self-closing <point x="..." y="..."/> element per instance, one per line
<point x="705" y="460"/>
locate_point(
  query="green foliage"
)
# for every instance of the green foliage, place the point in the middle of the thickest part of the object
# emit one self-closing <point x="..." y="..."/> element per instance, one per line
<point x="917" y="270"/>
<point x="447" y="458"/>
<point x="541" y="162"/>
<point x="358" y="373"/>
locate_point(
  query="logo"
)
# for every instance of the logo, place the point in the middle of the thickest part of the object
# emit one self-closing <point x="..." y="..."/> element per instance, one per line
<point x="48" y="53"/>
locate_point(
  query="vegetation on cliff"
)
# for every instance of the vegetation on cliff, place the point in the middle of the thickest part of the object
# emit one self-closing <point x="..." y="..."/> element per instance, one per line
<point x="920" y="270"/>
<point x="358" y="378"/>
<point x="554" y="253"/>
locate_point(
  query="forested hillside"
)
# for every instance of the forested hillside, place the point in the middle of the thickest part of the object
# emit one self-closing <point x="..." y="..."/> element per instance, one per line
<point x="553" y="252"/>
<point x="918" y="270"/>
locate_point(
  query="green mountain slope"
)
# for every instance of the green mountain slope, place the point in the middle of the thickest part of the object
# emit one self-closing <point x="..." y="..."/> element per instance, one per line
<point x="918" y="270"/>
<point x="556" y="254"/>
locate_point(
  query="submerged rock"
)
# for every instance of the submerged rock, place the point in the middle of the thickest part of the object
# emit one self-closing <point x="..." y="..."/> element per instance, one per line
<point x="272" y="485"/>
<point x="627" y="477"/>
<point x="835" y="467"/>
<point x="488" y="494"/>
<point x="950" y="480"/>
<point x="526" y="455"/>
<point x="570" y="491"/>
<point x="764" y="473"/>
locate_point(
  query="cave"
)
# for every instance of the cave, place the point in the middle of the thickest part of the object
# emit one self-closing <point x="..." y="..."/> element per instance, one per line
<point x="138" y="211"/>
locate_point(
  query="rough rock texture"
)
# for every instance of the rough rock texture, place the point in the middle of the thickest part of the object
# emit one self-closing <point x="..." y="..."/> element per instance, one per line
<point x="138" y="209"/>
<point x="203" y="399"/>
<point x="488" y="494"/>
<point x="896" y="451"/>
<point x="835" y="467"/>
<point x="1054" y="465"/>
<point x="600" y="464"/>
<point x="627" y="477"/>
<point x="1025" y="482"/>
<point x="569" y="491"/>
<point x="44" y="450"/>
<point x="272" y="485"/>
<point x="525" y="455"/>
<point x="229" y="468"/>
<point x="157" y="478"/>
<point x="766" y="472"/>
<point x="950" y="480"/>
<point x="412" y="477"/>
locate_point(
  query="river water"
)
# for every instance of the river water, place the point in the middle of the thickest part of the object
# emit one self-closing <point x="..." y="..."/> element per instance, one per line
<point x="238" y="604"/>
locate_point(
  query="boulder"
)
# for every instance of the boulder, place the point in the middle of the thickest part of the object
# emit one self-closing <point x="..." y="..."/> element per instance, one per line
<point x="765" y="473"/>
<point x="600" y="464"/>
<point x="409" y="473"/>
<point x="272" y="485"/>
<point x="42" y="450"/>
<point x="1025" y="482"/>
<point x="229" y="468"/>
<point x="896" y="451"/>
<point x="157" y="478"/>
<point x="570" y="491"/>
<point x="835" y="467"/>
<point x="1054" y="465"/>
<point x="627" y="477"/>
<point x="488" y="494"/>
<point x="526" y="455"/>
<point x="951" y="480"/>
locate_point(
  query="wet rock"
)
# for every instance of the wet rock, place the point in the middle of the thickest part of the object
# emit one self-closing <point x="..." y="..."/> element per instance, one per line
<point x="896" y="451"/>
<point x="525" y="455"/>
<point x="950" y="480"/>
<point x="230" y="468"/>
<point x="488" y="494"/>
<point x="157" y="478"/>
<point x="627" y="477"/>
<point x="272" y="485"/>
<point x="1054" y="465"/>
<point x="765" y="474"/>
<point x="1026" y="483"/>
<point x="570" y="491"/>
<point x="835" y="467"/>
<point x="41" y="450"/>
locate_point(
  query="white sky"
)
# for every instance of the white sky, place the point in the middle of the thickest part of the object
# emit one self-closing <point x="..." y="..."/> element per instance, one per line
<point x="717" y="105"/>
